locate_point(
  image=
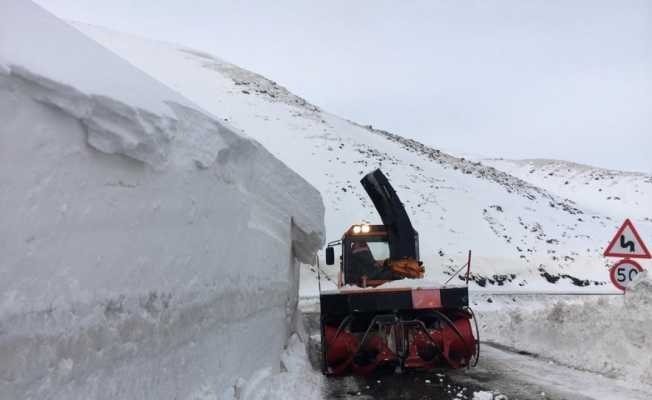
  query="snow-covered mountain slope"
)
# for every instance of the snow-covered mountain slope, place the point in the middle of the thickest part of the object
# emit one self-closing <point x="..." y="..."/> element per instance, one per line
<point x="139" y="235"/>
<point x="522" y="235"/>
<point x="616" y="193"/>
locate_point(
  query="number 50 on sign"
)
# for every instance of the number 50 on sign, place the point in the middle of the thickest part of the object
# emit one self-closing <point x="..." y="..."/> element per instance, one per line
<point x="624" y="272"/>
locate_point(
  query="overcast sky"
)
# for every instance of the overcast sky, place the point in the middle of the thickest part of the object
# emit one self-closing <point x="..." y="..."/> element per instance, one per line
<point x="516" y="79"/>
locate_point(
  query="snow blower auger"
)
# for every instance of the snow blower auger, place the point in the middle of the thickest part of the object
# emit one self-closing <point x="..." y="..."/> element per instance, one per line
<point x="367" y="328"/>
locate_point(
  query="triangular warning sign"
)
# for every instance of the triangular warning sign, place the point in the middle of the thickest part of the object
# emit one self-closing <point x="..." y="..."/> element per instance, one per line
<point x="627" y="243"/>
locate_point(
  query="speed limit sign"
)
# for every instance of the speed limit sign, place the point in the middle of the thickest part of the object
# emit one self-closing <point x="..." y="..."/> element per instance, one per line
<point x="624" y="272"/>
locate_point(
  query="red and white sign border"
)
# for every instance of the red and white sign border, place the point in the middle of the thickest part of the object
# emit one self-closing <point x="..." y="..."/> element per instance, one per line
<point x="628" y="223"/>
<point x="612" y="272"/>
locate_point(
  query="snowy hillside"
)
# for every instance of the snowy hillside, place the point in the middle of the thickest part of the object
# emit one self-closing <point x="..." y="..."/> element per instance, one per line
<point x="616" y="193"/>
<point x="523" y="235"/>
<point x="139" y="234"/>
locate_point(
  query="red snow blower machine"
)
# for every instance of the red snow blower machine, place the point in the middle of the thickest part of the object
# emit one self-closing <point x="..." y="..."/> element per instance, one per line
<point x="383" y="317"/>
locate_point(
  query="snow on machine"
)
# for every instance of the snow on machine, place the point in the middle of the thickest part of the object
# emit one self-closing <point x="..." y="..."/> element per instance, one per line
<point x="382" y="317"/>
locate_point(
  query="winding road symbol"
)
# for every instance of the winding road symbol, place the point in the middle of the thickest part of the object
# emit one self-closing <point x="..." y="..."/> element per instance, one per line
<point x="627" y="243"/>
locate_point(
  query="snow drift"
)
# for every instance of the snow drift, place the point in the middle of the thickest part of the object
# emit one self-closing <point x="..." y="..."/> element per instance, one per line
<point x="605" y="334"/>
<point x="148" y="249"/>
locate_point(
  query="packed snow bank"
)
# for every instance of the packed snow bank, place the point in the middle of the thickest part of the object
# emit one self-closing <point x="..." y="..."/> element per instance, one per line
<point x="40" y="42"/>
<point x="122" y="109"/>
<point x="611" y="335"/>
<point x="148" y="250"/>
<point x="297" y="380"/>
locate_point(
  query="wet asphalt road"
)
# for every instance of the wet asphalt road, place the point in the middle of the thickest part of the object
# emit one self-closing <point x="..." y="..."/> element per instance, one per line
<point x="402" y="386"/>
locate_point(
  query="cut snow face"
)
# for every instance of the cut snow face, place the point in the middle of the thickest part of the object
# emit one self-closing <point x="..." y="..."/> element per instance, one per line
<point x="145" y="243"/>
<point x="524" y="235"/>
<point x="123" y="110"/>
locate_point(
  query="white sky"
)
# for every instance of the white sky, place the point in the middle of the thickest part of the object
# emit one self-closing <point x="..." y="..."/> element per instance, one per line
<point x="516" y="79"/>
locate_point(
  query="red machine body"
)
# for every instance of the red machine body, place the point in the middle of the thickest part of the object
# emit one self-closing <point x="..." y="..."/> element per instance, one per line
<point x="367" y="330"/>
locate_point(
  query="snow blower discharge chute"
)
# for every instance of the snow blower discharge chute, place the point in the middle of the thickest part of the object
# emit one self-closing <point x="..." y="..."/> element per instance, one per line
<point x="368" y="328"/>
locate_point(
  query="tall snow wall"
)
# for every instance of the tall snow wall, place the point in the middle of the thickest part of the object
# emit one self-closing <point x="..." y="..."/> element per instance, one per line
<point x="146" y="250"/>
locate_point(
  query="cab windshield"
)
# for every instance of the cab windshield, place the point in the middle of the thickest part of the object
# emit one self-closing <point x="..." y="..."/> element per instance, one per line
<point x="367" y="259"/>
<point x="378" y="248"/>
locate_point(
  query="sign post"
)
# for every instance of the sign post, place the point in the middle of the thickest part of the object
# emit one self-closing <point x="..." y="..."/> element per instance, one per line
<point x="626" y="244"/>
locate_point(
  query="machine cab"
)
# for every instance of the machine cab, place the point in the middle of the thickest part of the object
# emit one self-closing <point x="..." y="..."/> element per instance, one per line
<point x="374" y="254"/>
<point x="365" y="256"/>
